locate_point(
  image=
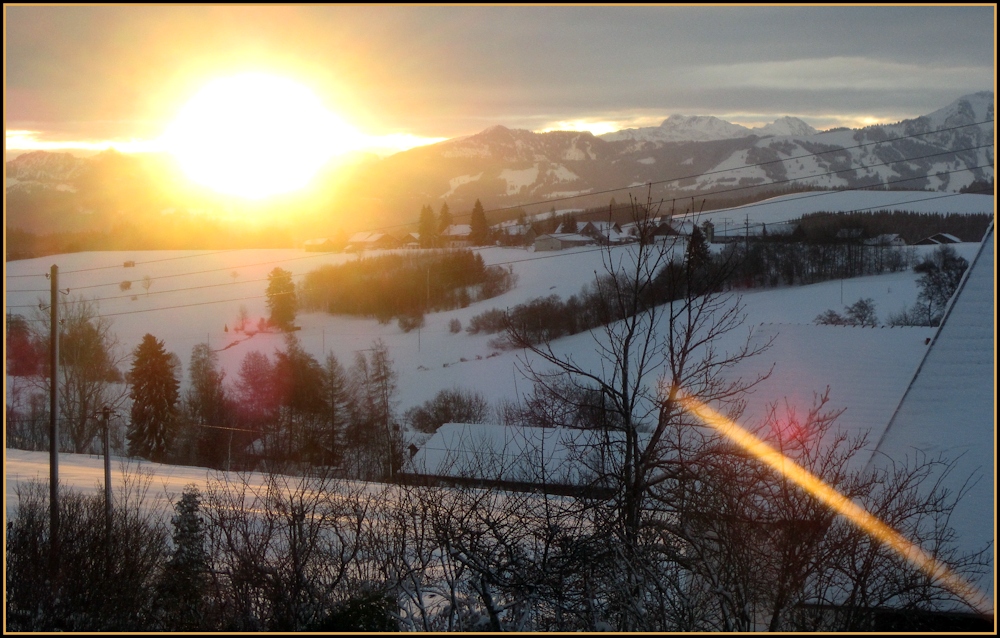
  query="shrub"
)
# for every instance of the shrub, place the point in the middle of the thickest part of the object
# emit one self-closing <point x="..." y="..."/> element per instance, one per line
<point x="456" y="405"/>
<point x="489" y="322"/>
<point x="411" y="321"/>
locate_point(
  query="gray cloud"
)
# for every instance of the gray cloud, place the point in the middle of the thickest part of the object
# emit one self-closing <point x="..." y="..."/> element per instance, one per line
<point x="445" y="71"/>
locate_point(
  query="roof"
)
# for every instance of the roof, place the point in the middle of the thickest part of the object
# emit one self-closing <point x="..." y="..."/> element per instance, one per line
<point x="866" y="369"/>
<point x="457" y="230"/>
<point x="515" y="454"/>
<point x="948" y="408"/>
<point x="939" y="238"/>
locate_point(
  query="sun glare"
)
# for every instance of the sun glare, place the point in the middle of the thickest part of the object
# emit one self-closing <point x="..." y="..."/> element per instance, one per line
<point x="256" y="135"/>
<point x="844" y="506"/>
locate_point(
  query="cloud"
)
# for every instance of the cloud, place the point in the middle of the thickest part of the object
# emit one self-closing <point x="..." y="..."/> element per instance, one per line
<point x="836" y="73"/>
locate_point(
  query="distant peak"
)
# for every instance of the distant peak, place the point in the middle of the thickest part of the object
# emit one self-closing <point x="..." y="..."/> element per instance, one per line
<point x="496" y="128"/>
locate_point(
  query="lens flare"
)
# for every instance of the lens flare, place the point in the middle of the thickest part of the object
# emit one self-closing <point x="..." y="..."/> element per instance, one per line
<point x="840" y="503"/>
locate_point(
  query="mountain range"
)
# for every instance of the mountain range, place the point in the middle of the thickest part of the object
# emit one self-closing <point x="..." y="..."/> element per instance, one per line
<point x="508" y="168"/>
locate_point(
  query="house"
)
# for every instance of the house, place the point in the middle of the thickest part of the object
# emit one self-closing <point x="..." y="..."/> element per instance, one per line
<point x="323" y="244"/>
<point x="850" y="233"/>
<point x="938" y="238"/>
<point x="410" y="240"/>
<point x="887" y="239"/>
<point x="561" y="241"/>
<point x="949" y="410"/>
<point x="514" y="234"/>
<point x="456" y="236"/>
<point x="371" y="241"/>
<point x="604" y="232"/>
<point x="556" y="460"/>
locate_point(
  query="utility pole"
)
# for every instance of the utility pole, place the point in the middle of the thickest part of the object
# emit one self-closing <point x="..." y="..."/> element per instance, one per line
<point x="106" y="417"/>
<point x="54" y="423"/>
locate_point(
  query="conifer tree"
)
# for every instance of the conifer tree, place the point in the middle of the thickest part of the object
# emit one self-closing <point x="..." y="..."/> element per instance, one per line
<point x="336" y="386"/>
<point x="479" y="231"/>
<point x="281" y="299"/>
<point x="427" y="227"/>
<point x="444" y="218"/>
<point x="154" y="393"/>
<point x="207" y="405"/>
<point x="183" y="585"/>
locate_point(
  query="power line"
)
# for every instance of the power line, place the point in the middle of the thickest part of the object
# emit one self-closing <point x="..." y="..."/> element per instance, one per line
<point x="756" y="224"/>
<point x="737" y="189"/>
<point x="740" y="168"/>
<point x="592" y="193"/>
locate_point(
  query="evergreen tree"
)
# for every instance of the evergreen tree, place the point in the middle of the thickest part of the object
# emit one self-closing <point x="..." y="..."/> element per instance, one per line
<point x="257" y="396"/>
<point x="570" y="225"/>
<point x="207" y="406"/>
<point x="444" y="218"/>
<point x="281" y="299"/>
<point x="183" y="586"/>
<point x="479" y="230"/>
<point x="336" y="387"/>
<point x="300" y="388"/>
<point x="427" y="227"/>
<point x="154" y="394"/>
<point x="697" y="254"/>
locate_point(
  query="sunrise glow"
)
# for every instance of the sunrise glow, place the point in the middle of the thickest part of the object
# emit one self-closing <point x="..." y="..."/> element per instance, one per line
<point x="838" y="502"/>
<point x="255" y="135"/>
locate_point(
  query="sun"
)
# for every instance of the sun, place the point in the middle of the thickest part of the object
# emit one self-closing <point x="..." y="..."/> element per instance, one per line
<point x="255" y="135"/>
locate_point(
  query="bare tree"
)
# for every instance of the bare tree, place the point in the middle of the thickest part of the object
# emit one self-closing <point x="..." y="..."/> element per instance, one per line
<point x="89" y="370"/>
<point x="373" y="434"/>
<point x="663" y="320"/>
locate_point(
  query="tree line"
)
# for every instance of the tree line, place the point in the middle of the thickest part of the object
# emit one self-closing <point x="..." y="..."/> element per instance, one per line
<point x="404" y="285"/>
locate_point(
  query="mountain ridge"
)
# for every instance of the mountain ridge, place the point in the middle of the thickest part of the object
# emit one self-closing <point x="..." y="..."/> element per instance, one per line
<point x="507" y="168"/>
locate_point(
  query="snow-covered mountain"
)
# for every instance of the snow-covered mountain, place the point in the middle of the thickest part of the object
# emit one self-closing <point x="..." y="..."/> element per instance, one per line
<point x="43" y="167"/>
<point x="785" y="126"/>
<point x="682" y="128"/>
<point x="705" y="128"/>
<point x="506" y="168"/>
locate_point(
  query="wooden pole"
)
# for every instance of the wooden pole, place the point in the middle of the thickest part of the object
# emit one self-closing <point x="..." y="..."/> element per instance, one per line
<point x="54" y="423"/>
<point x="106" y="417"/>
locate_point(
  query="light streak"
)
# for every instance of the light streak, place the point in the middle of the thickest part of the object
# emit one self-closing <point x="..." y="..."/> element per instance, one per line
<point x="829" y="496"/>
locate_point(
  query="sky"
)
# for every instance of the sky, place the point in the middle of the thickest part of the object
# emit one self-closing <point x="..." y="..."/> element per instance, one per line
<point x="89" y="75"/>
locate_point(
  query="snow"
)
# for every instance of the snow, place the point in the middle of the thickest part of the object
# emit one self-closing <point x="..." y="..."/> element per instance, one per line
<point x="518" y="179"/>
<point x="455" y="182"/>
<point x="702" y="128"/>
<point x="949" y="408"/>
<point x="559" y="194"/>
<point x="194" y="297"/>
<point x="791" y="207"/>
<point x="562" y="174"/>
<point x="785" y="126"/>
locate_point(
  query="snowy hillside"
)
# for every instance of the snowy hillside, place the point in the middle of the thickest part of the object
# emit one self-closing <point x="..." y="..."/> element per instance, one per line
<point x="194" y="298"/>
<point x="779" y="210"/>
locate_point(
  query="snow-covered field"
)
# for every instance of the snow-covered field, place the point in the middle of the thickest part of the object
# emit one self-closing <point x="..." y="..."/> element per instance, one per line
<point x="786" y="208"/>
<point x="195" y="297"/>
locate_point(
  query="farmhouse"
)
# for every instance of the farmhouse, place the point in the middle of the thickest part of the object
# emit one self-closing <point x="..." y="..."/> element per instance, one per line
<point x="560" y="241"/>
<point x="371" y="241"/>
<point x="557" y="460"/>
<point x="323" y="244"/>
<point x="457" y="236"/>
<point x="938" y="238"/>
<point x="948" y="409"/>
